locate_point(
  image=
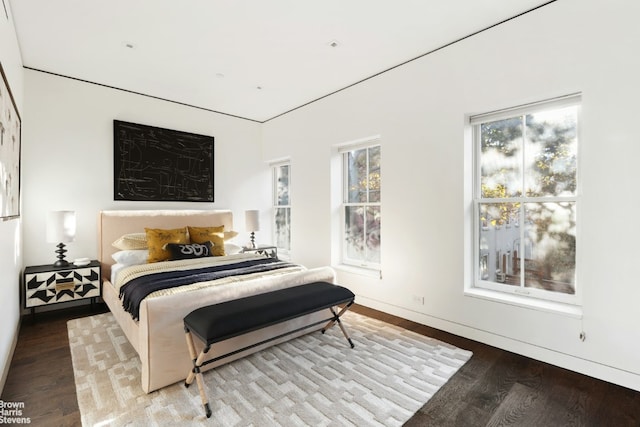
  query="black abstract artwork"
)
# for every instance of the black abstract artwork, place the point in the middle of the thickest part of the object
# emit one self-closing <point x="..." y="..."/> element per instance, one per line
<point x="155" y="164"/>
<point x="10" y="130"/>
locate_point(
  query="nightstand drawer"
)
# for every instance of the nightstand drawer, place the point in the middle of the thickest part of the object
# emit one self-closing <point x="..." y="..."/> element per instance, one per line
<point x="48" y="285"/>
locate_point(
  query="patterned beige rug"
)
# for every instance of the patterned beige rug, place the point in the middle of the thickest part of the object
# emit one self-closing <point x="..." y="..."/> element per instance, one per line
<point x="314" y="380"/>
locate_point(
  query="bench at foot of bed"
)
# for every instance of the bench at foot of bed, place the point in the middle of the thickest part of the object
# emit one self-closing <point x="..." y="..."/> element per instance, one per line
<point x="218" y="322"/>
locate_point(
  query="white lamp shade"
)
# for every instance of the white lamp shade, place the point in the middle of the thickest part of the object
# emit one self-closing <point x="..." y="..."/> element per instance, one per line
<point x="252" y="220"/>
<point x="61" y="226"/>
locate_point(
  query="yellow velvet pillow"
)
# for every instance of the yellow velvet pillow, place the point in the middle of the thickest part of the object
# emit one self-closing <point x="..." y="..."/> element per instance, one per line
<point x="214" y="235"/>
<point x="158" y="237"/>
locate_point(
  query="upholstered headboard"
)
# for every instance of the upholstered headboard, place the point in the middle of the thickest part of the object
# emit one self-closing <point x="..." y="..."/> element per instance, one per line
<point x="113" y="224"/>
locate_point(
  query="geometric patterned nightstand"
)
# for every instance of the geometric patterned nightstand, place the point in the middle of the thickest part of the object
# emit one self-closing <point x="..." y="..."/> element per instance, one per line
<point x="266" y="250"/>
<point x="46" y="284"/>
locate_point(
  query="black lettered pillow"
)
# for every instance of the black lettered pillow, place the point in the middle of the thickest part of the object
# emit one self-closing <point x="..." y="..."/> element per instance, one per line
<point x="190" y="250"/>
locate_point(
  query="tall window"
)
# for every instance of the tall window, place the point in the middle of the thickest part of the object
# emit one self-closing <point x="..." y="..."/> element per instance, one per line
<point x="361" y="205"/>
<point x="282" y="206"/>
<point x="526" y="180"/>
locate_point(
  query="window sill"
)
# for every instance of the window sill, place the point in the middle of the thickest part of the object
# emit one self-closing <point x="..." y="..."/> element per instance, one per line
<point x="530" y="303"/>
<point x="362" y="271"/>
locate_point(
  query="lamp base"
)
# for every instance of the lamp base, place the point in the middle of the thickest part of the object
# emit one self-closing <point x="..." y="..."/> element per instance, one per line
<point x="253" y="240"/>
<point x="61" y="262"/>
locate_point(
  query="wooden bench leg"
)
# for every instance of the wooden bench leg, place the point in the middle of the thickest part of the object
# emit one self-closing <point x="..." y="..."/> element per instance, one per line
<point x="196" y="372"/>
<point x="336" y="319"/>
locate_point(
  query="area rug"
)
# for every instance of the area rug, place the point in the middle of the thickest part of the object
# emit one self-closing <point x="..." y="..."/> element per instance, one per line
<point x="313" y="380"/>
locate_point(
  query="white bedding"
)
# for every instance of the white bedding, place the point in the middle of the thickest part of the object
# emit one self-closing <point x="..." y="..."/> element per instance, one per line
<point x="125" y="275"/>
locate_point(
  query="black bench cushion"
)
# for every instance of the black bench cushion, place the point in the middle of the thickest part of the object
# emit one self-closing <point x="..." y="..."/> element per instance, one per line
<point x="228" y="319"/>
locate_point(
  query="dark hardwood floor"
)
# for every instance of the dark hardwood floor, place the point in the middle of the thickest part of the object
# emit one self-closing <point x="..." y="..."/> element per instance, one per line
<point x="495" y="388"/>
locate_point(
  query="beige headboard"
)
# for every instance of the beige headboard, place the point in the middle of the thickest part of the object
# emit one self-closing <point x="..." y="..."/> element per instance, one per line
<point x="113" y="224"/>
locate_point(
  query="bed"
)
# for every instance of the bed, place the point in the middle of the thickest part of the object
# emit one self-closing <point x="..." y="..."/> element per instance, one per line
<point x="157" y="334"/>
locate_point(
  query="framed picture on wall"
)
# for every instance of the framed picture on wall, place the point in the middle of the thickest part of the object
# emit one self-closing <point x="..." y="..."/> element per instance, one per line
<point x="10" y="128"/>
<point x="155" y="164"/>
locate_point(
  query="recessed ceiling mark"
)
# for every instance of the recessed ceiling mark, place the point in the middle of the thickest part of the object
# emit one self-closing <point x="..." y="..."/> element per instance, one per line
<point x="334" y="43"/>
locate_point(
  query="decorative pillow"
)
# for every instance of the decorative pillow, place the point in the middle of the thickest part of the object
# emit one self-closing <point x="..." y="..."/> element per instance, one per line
<point x="214" y="235"/>
<point x="201" y="234"/>
<point x="158" y="237"/>
<point x="131" y="257"/>
<point x="230" y="249"/>
<point x="131" y="241"/>
<point x="230" y="235"/>
<point x="190" y="250"/>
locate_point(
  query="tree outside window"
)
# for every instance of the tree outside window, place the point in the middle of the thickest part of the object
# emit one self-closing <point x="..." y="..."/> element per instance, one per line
<point x="282" y="207"/>
<point x="361" y="245"/>
<point x="526" y="201"/>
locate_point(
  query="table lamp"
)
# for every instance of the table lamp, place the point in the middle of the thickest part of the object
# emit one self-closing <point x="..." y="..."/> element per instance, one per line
<point x="252" y="224"/>
<point x="61" y="229"/>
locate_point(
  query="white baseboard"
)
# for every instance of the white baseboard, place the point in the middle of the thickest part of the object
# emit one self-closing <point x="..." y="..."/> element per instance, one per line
<point x="7" y="362"/>
<point x="583" y="366"/>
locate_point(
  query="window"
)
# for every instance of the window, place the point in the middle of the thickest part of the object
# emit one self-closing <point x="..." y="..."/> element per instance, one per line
<point x="361" y="205"/>
<point x="526" y="199"/>
<point x="282" y="206"/>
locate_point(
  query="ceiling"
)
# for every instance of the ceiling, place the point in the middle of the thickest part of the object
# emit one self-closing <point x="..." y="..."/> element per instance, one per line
<point x="254" y="59"/>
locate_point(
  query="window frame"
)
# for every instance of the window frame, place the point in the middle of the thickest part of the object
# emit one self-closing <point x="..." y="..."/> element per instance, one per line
<point x="475" y="122"/>
<point x="344" y="151"/>
<point x="286" y="252"/>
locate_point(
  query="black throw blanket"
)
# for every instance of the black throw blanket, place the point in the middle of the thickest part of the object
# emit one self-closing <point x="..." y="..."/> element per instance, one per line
<point x="135" y="290"/>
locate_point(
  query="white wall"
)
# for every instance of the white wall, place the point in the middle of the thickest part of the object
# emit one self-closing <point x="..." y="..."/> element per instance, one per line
<point x="68" y="158"/>
<point x="419" y="110"/>
<point x="10" y="231"/>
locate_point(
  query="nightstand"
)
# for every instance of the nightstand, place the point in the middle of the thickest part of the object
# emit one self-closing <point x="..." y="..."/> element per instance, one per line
<point x="268" y="251"/>
<point x="46" y="284"/>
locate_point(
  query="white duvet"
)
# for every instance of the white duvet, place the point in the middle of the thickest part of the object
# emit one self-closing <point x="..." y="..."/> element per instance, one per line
<point x="120" y="275"/>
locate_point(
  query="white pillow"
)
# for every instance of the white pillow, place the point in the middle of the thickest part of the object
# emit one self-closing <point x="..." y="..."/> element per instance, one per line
<point x="228" y="235"/>
<point x="131" y="257"/>
<point x="230" y="249"/>
<point x="131" y="241"/>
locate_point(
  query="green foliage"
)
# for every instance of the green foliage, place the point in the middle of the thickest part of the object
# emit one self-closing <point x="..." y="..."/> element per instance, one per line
<point x="556" y="162"/>
<point x="499" y="135"/>
<point x="541" y="148"/>
<point x="533" y="156"/>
